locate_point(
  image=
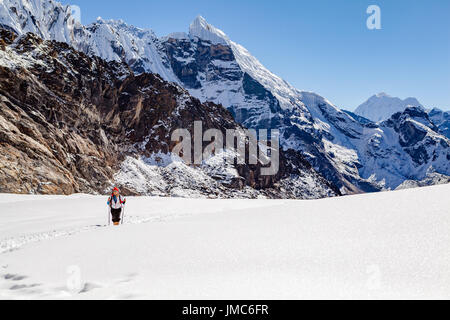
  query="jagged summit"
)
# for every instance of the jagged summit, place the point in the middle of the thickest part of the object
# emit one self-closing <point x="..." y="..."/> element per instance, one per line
<point x="200" y="20"/>
<point x="200" y="28"/>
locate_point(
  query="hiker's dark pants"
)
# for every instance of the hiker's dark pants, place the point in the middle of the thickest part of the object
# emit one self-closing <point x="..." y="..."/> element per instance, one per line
<point x="116" y="213"/>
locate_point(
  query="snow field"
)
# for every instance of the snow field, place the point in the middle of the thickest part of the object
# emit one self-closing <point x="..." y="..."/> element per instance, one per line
<point x="374" y="246"/>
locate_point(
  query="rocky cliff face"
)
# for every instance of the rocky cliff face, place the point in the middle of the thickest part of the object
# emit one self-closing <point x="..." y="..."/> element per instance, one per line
<point x="74" y="123"/>
<point x="210" y="72"/>
<point x="52" y="139"/>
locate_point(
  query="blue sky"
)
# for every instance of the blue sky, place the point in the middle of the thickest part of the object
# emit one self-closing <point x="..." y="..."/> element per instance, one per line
<point x="323" y="45"/>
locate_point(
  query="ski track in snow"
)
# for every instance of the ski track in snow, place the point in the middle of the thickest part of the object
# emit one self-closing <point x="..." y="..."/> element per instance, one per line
<point x="15" y="243"/>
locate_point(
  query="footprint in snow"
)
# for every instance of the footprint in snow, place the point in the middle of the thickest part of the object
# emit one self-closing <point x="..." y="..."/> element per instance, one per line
<point x="24" y="286"/>
<point x="14" y="277"/>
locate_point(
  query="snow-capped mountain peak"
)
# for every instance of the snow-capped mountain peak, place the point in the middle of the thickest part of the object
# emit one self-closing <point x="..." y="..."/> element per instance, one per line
<point x="283" y="91"/>
<point x="382" y="106"/>
<point x="201" y="29"/>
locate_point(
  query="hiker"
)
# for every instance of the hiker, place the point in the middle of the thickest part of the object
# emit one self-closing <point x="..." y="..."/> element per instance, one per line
<point x="116" y="204"/>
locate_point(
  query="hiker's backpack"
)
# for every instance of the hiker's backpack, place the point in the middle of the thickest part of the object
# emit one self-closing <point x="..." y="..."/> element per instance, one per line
<point x="110" y="200"/>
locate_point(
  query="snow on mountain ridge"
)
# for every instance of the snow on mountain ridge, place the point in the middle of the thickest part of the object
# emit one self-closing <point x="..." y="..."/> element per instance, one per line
<point x="46" y="18"/>
<point x="112" y="40"/>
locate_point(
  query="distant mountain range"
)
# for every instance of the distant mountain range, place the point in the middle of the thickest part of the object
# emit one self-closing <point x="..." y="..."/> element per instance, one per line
<point x="381" y="107"/>
<point x="352" y="152"/>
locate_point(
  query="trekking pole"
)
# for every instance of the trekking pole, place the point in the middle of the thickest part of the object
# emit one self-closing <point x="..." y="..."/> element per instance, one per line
<point x="123" y="215"/>
<point x="109" y="216"/>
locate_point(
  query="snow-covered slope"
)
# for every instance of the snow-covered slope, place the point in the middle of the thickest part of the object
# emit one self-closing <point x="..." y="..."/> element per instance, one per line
<point x="46" y="18"/>
<point x="398" y="247"/>
<point x="381" y="107"/>
<point x="117" y="41"/>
